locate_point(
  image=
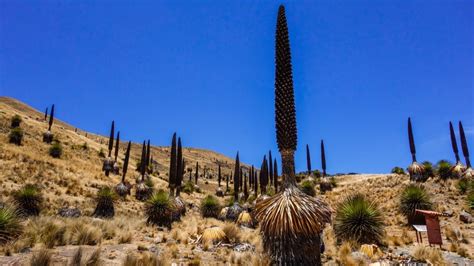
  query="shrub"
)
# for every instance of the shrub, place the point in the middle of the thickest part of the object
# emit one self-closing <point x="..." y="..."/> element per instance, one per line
<point x="101" y="153"/>
<point x="15" y="136"/>
<point x="188" y="187"/>
<point x="10" y="227"/>
<point x="428" y="170"/>
<point x="414" y="197"/>
<point x="443" y="168"/>
<point x="470" y="200"/>
<point x="307" y="187"/>
<point x="16" y="120"/>
<point x="56" y="150"/>
<point x="398" y="170"/>
<point x="210" y="207"/>
<point x="41" y="257"/>
<point x="28" y="199"/>
<point x="105" y="203"/>
<point x="358" y="219"/>
<point x="465" y="185"/>
<point x="159" y="209"/>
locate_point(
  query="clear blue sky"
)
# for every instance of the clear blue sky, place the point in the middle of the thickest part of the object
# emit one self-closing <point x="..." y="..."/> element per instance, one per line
<point x="206" y="70"/>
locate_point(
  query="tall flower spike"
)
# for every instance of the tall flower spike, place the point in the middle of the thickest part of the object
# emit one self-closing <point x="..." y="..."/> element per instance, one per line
<point x="323" y="158"/>
<point x="275" y="175"/>
<point x="197" y="174"/>
<point x="142" y="161"/>
<point x="454" y="143"/>
<point x="111" y="138"/>
<point x="179" y="164"/>
<point x="236" y="178"/>
<point x="51" y="118"/>
<point x="148" y="154"/>
<point x="125" y="162"/>
<point x="117" y="143"/>
<point x="173" y="165"/>
<point x="219" y="176"/>
<point x="270" y="171"/>
<point x="412" y="141"/>
<point x="46" y="114"/>
<point x="308" y="159"/>
<point x="465" y="150"/>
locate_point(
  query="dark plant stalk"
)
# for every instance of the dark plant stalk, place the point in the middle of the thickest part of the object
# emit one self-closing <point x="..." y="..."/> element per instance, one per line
<point x="46" y="114"/>
<point x="236" y="178"/>
<point x="219" y="176"/>
<point x="241" y="179"/>
<point x="454" y="144"/>
<point x="255" y="184"/>
<point x="173" y="165"/>
<point x="308" y="159"/>
<point x="323" y="159"/>
<point x="111" y="138"/>
<point x="270" y="171"/>
<point x="147" y="157"/>
<point x="125" y="162"/>
<point x="117" y="143"/>
<point x="51" y="118"/>
<point x="411" y="140"/>
<point x="197" y="174"/>
<point x="142" y="161"/>
<point x="179" y="166"/>
<point x="465" y="150"/>
<point x="275" y="175"/>
<point x="246" y="193"/>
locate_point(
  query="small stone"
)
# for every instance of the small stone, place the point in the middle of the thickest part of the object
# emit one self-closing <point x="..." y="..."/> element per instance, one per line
<point x="465" y="217"/>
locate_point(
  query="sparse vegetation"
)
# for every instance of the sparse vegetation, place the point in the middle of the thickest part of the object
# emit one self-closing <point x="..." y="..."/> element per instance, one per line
<point x="358" y="219"/>
<point x="307" y="186"/>
<point x="398" y="170"/>
<point x="210" y="207"/>
<point x="414" y="197"/>
<point x="41" y="257"/>
<point x="443" y="168"/>
<point x="28" y="199"/>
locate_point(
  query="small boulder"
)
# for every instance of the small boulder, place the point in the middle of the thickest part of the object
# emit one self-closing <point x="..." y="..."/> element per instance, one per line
<point x="69" y="212"/>
<point x="465" y="217"/>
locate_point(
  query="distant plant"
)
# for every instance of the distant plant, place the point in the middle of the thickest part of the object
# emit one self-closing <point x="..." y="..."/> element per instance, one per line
<point x="443" y="168"/>
<point x="159" y="209"/>
<point x="358" y="219"/>
<point x="15" y="136"/>
<point x="143" y="192"/>
<point x="101" y="153"/>
<point x="123" y="188"/>
<point x="398" y="170"/>
<point x="414" y="197"/>
<point x="428" y="170"/>
<point x="468" y="172"/>
<point x="188" y="187"/>
<point x="417" y="172"/>
<point x="48" y="136"/>
<point x="16" y="121"/>
<point x="105" y="203"/>
<point x="307" y="187"/>
<point x="56" y="150"/>
<point x="10" y="225"/>
<point x="210" y="207"/>
<point x="464" y="185"/>
<point x="108" y="164"/>
<point x="28" y="200"/>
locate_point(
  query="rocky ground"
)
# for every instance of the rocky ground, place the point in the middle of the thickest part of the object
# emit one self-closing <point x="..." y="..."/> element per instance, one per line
<point x="74" y="180"/>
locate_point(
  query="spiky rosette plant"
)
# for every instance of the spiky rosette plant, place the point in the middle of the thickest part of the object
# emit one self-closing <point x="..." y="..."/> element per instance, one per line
<point x="468" y="173"/>
<point x="116" y="168"/>
<point x="290" y="221"/>
<point x="15" y="136"/>
<point x="234" y="210"/>
<point x="28" y="200"/>
<point x="123" y="188"/>
<point x="10" y="225"/>
<point x="159" y="209"/>
<point x="414" y="197"/>
<point x="210" y="207"/>
<point x="16" y="121"/>
<point x="358" y="219"/>
<point x="105" y="203"/>
<point x="416" y="170"/>
<point x="48" y="136"/>
<point x="108" y="164"/>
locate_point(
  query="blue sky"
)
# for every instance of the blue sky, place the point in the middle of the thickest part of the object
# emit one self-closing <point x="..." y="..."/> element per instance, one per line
<point x="206" y="70"/>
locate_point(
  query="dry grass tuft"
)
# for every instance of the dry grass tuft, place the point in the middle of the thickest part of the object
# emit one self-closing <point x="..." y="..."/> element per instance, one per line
<point x="41" y="257"/>
<point x="232" y="232"/>
<point x="428" y="254"/>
